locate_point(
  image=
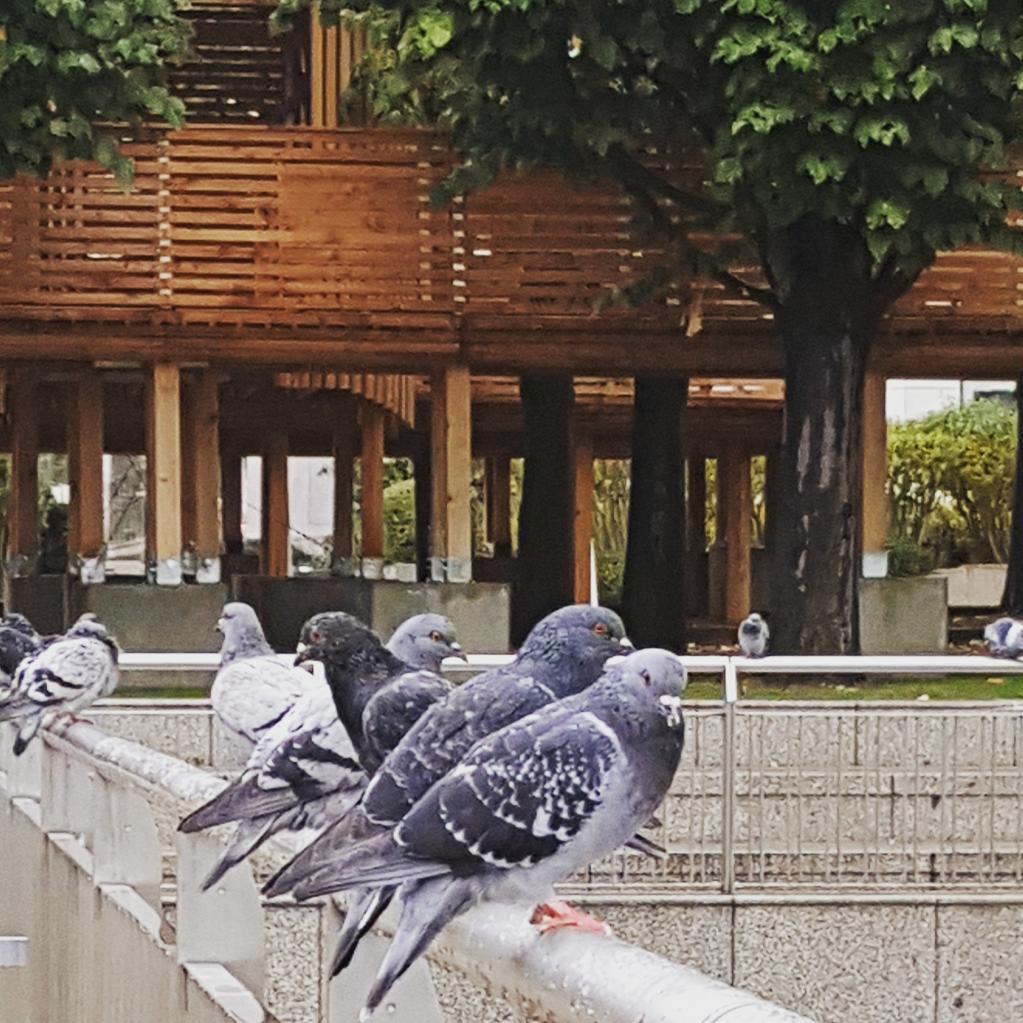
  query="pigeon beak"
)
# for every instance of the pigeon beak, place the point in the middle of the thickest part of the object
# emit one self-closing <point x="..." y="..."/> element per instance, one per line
<point x="301" y="654"/>
<point x="457" y="651"/>
<point x="625" y="645"/>
<point x="671" y="708"/>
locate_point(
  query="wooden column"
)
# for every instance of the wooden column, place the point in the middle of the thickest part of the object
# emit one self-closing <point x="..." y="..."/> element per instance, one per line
<point x="372" y="462"/>
<point x="201" y="438"/>
<point x="163" y="471"/>
<point x="696" y="534"/>
<point x="231" y="498"/>
<point x="498" y="495"/>
<point x="85" y="473"/>
<point x="424" y="500"/>
<point x="734" y="511"/>
<point x="23" y="509"/>
<point x="344" y="443"/>
<point x="874" y="478"/>
<point x="582" y="531"/>
<point x="451" y="468"/>
<point x="275" y="542"/>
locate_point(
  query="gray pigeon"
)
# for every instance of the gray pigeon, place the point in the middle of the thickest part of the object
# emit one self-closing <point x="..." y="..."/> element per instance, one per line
<point x="424" y="640"/>
<point x="754" y="636"/>
<point x="305" y="771"/>
<point x="1004" y="637"/>
<point x="527" y="807"/>
<point x="564" y="654"/>
<point x="64" y="677"/>
<point x="18" y="639"/>
<point x="253" y="688"/>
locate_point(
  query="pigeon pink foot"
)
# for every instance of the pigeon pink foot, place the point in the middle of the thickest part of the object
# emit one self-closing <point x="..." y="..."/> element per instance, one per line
<point x="553" y="916"/>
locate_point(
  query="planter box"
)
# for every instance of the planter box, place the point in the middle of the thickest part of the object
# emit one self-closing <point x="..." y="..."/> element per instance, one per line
<point x="974" y="585"/>
<point x="904" y="616"/>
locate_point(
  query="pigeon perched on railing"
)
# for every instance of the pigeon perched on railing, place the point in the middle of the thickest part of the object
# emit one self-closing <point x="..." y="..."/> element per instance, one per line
<point x="564" y="654"/>
<point x="18" y="639"/>
<point x="64" y="677"/>
<point x="424" y="640"/>
<point x="754" y="636"/>
<point x="527" y="808"/>
<point x="306" y="771"/>
<point x="1004" y="638"/>
<point x="253" y="688"/>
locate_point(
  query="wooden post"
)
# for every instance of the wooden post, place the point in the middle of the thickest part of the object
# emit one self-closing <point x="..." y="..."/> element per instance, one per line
<point x="201" y="436"/>
<point x="451" y="466"/>
<point x="734" y="511"/>
<point x="231" y="498"/>
<point x="85" y="472"/>
<point x="498" y="495"/>
<point x="163" y="472"/>
<point x="23" y="513"/>
<point x="275" y="543"/>
<point x="345" y="427"/>
<point x="696" y="533"/>
<point x="582" y="534"/>
<point x="424" y="501"/>
<point x="372" y="461"/>
<point x="874" y="477"/>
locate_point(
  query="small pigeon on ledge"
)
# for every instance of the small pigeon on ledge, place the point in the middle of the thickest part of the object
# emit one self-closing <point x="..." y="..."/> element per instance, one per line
<point x="64" y="677"/>
<point x="754" y="636"/>
<point x="1004" y="638"/>
<point x="18" y="639"/>
<point x="526" y="808"/>
<point x="305" y="771"/>
<point x="253" y="688"/>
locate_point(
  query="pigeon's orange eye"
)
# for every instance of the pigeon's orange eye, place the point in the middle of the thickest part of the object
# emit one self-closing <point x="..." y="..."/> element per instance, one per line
<point x="600" y="629"/>
<point x="435" y="637"/>
<point x="315" y="636"/>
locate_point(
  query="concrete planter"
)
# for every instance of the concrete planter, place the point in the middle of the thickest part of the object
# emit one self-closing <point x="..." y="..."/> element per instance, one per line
<point x="904" y="616"/>
<point x="974" y="585"/>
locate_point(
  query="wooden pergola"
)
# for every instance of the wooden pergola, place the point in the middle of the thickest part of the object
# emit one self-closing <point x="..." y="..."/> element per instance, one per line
<point x="290" y="289"/>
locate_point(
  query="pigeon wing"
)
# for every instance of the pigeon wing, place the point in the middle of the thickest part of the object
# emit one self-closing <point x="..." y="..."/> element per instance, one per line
<point x="444" y="734"/>
<point x="71" y="673"/>
<point x="251" y="695"/>
<point x="395" y="708"/>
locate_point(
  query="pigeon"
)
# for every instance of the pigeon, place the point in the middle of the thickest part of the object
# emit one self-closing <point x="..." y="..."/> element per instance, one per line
<point x="62" y="678"/>
<point x="253" y="688"/>
<point x="1004" y="638"/>
<point x="18" y="639"/>
<point x="305" y="771"/>
<point x="754" y="636"/>
<point x="527" y="807"/>
<point x="563" y="654"/>
<point x="424" y="640"/>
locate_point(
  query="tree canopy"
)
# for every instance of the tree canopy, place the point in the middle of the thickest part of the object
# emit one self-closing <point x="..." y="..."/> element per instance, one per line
<point x="74" y="72"/>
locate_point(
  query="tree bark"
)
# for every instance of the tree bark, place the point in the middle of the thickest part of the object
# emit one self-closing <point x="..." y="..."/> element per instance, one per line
<point x="545" y="575"/>
<point x="826" y="325"/>
<point x="1012" y="597"/>
<point x="653" y="604"/>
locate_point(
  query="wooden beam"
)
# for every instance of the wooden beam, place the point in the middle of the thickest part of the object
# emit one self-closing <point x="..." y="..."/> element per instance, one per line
<point x="451" y="465"/>
<point x="231" y="497"/>
<point x="201" y="435"/>
<point x="85" y="474"/>
<point x="275" y="543"/>
<point x="372" y="463"/>
<point x="582" y="534"/>
<point x="874" y="477"/>
<point x="497" y="486"/>
<point x="734" y="516"/>
<point x="23" y="513"/>
<point x="345" y="427"/>
<point x="163" y="469"/>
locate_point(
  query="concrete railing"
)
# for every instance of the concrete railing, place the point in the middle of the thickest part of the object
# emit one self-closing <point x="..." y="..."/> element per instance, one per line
<point x="88" y="812"/>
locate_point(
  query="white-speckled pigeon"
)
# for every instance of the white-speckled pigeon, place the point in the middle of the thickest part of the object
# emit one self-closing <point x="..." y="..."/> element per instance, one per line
<point x="64" y="677"/>
<point x="253" y="688"/>
<point x="528" y="807"/>
<point x="564" y="653"/>
<point x="1004" y="637"/>
<point x="754" y="636"/>
<point x="306" y="771"/>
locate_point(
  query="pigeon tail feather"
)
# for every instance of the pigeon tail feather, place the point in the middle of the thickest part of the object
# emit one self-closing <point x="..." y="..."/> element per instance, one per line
<point x="247" y="837"/>
<point x="26" y="734"/>
<point x="425" y="910"/>
<point x="363" y="911"/>
<point x="388" y="873"/>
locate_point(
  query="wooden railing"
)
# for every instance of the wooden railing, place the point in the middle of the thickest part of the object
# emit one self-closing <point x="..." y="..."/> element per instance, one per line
<point x="299" y="230"/>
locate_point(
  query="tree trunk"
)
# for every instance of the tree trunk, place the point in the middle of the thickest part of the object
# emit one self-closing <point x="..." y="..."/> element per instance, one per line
<point x="826" y="328"/>
<point x="545" y="571"/>
<point x="653" y="605"/>
<point x="1012" y="598"/>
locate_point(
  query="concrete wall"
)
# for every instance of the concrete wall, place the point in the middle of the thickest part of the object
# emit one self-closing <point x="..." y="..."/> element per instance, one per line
<point x="977" y="586"/>
<point x="903" y="616"/>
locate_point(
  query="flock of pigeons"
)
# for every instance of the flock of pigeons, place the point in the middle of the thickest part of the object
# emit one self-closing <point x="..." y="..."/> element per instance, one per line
<point x="441" y="796"/>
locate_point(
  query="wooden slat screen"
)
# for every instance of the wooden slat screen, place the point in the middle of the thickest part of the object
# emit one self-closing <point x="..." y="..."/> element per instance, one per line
<point x="300" y="229"/>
